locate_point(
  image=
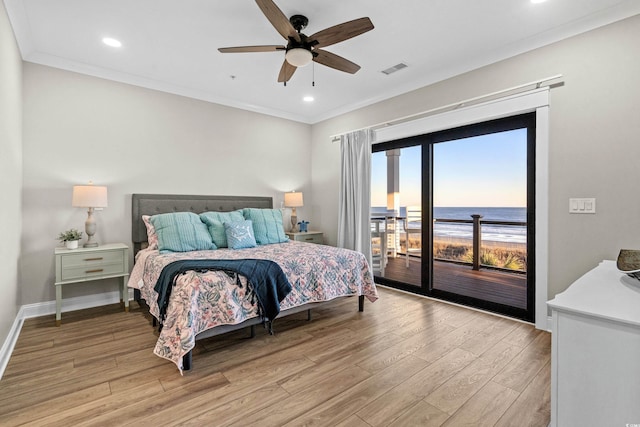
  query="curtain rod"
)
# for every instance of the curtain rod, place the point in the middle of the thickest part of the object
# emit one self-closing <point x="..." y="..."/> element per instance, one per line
<point x="452" y="106"/>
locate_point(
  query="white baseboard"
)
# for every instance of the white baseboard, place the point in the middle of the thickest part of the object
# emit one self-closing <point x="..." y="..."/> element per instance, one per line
<point x="70" y="304"/>
<point x="47" y="308"/>
<point x="10" y="342"/>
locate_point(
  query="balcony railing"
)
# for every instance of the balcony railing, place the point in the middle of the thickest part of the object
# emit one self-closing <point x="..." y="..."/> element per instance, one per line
<point x="392" y="230"/>
<point x="476" y="222"/>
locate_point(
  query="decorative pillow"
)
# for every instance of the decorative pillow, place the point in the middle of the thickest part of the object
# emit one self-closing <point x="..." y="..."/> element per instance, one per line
<point x="267" y="225"/>
<point x="240" y="234"/>
<point x="181" y="232"/>
<point x="152" y="237"/>
<point x="215" y="223"/>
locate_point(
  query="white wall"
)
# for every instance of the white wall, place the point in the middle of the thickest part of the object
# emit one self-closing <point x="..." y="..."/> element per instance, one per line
<point x="594" y="145"/>
<point x="10" y="172"/>
<point x="133" y="140"/>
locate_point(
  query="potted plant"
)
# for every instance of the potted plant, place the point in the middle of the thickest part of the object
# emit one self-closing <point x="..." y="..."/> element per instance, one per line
<point x="70" y="238"/>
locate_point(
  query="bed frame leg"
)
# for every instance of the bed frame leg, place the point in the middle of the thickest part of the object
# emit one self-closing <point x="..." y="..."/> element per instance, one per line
<point x="361" y="303"/>
<point x="252" y="334"/>
<point x="187" y="361"/>
<point x="309" y="315"/>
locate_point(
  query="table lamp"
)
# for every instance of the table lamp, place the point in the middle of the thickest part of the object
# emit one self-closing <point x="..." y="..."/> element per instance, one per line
<point x="89" y="196"/>
<point x="293" y="200"/>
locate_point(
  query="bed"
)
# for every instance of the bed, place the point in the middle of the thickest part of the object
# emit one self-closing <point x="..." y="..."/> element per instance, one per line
<point x="203" y="304"/>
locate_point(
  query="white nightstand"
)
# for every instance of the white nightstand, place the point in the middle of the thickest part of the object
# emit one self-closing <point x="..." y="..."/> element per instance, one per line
<point x="309" y="237"/>
<point x="88" y="264"/>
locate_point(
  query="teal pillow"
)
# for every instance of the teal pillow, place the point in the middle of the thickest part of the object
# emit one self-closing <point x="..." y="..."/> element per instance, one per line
<point x="215" y="223"/>
<point x="267" y="225"/>
<point x="181" y="232"/>
<point x="240" y="234"/>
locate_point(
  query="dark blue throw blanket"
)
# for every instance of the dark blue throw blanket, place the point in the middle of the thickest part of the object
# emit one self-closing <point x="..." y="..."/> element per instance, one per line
<point x="266" y="281"/>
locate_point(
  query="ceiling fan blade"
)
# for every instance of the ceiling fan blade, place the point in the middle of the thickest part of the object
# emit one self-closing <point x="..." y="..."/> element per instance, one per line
<point x="334" y="61"/>
<point x="240" y="49"/>
<point x="278" y="19"/>
<point x="341" y="32"/>
<point x="286" y="72"/>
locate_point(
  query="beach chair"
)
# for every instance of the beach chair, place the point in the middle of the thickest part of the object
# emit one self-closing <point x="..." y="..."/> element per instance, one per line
<point x="412" y="225"/>
<point x="378" y="245"/>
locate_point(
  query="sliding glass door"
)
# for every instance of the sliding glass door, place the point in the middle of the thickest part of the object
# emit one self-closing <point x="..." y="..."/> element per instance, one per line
<point x="470" y="236"/>
<point x="396" y="214"/>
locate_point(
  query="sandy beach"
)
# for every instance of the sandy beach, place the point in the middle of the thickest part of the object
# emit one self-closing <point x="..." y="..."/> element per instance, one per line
<point x="508" y="255"/>
<point x="514" y="246"/>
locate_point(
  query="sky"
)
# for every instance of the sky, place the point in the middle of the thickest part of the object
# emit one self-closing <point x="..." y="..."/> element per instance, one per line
<point x="483" y="171"/>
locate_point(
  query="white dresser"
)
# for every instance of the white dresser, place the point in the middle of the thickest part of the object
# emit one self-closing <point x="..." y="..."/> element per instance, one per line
<point x="595" y="351"/>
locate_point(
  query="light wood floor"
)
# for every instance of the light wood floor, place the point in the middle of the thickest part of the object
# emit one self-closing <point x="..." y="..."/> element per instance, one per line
<point x="405" y="361"/>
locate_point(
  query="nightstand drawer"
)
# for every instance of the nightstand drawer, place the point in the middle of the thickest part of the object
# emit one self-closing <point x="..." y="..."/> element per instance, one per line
<point x="310" y="238"/>
<point x="91" y="271"/>
<point x="79" y="266"/>
<point x="92" y="258"/>
<point x="307" y="237"/>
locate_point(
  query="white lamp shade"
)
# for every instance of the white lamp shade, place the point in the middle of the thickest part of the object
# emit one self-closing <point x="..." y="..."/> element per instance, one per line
<point x="298" y="57"/>
<point x="89" y="196"/>
<point x="293" y="200"/>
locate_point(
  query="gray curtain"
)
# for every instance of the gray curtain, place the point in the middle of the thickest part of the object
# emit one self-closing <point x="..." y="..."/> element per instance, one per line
<point x="355" y="192"/>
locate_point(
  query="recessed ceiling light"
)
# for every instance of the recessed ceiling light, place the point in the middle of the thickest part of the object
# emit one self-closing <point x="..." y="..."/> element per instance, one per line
<point x="538" y="1"/>
<point x="111" y="42"/>
<point x="308" y="99"/>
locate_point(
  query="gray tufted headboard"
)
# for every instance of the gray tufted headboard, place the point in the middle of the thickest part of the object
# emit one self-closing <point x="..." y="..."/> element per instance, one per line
<point x="152" y="204"/>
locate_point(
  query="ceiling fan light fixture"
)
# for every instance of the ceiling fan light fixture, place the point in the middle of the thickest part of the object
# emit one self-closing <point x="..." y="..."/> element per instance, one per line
<point x="299" y="57"/>
<point x="302" y="49"/>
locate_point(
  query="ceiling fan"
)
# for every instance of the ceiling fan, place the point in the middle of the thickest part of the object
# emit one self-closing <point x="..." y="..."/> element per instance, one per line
<point x="301" y="49"/>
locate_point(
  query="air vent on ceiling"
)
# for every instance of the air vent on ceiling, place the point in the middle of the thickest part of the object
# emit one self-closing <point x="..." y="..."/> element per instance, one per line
<point x="395" y="68"/>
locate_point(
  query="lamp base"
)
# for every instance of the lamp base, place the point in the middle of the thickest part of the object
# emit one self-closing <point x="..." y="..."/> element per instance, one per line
<point x="294" y="221"/>
<point x="90" y="229"/>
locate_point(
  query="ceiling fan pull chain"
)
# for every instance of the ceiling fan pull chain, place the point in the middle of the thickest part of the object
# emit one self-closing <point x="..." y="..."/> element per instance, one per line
<point x="313" y="74"/>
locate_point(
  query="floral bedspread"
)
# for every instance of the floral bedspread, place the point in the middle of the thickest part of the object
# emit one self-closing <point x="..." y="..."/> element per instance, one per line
<point x="201" y="301"/>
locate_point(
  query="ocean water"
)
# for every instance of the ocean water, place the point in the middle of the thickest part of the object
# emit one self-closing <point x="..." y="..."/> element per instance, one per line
<point x="496" y="233"/>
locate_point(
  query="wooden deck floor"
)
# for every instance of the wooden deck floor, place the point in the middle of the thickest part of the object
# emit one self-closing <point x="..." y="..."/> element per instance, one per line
<point x="489" y="285"/>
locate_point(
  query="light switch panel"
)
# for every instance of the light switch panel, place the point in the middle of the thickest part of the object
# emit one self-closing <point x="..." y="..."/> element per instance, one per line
<point x="582" y="206"/>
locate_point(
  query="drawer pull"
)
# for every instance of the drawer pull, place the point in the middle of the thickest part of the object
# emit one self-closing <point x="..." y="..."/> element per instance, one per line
<point x="95" y="271"/>
<point x="308" y="239"/>
<point x="93" y="259"/>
